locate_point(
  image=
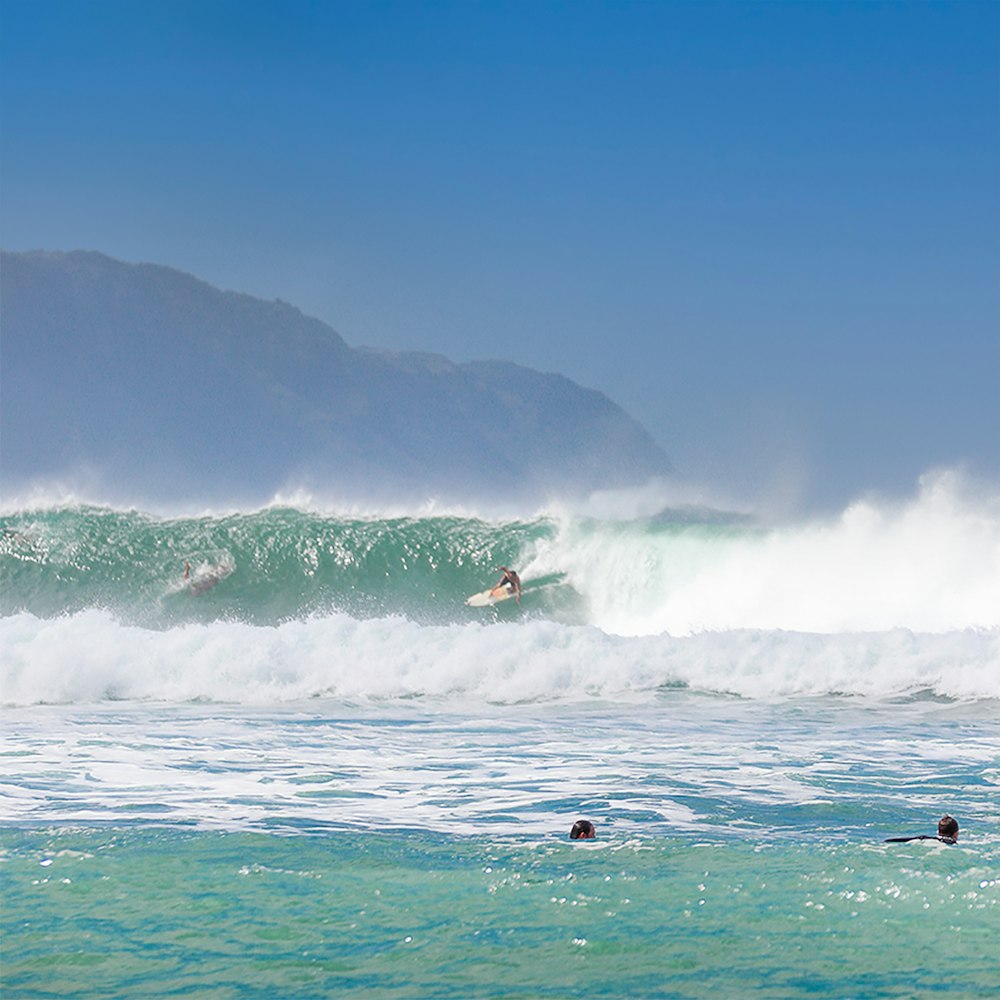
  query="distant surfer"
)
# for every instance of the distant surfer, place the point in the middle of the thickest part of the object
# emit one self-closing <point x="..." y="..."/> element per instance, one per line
<point x="947" y="833"/>
<point x="510" y="582"/>
<point x="17" y="538"/>
<point x="582" y="829"/>
<point x="201" y="582"/>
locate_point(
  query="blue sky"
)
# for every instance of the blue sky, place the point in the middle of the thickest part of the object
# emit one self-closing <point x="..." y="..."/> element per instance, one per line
<point x="771" y="231"/>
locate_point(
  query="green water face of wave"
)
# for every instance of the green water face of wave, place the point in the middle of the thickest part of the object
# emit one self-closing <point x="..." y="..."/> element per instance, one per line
<point x="261" y="568"/>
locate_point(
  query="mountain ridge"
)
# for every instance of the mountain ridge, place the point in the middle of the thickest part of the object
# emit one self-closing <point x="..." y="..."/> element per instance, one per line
<point x="166" y="384"/>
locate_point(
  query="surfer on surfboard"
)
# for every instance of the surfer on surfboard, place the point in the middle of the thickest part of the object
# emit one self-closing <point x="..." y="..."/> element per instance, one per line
<point x="206" y="580"/>
<point x="510" y="582"/>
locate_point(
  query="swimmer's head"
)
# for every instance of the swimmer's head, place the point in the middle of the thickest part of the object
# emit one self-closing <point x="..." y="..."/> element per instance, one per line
<point x="948" y="827"/>
<point x="583" y="829"/>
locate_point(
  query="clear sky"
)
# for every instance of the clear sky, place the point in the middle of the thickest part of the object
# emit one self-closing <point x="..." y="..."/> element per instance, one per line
<point x="771" y="231"/>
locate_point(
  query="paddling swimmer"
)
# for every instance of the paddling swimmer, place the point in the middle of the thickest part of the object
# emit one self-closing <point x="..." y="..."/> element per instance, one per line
<point x="582" y="829"/>
<point x="511" y="581"/>
<point x="947" y="833"/>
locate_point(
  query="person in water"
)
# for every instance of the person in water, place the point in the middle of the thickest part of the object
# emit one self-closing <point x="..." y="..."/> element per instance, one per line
<point x="582" y="829"/>
<point x="199" y="583"/>
<point x="947" y="833"/>
<point x="511" y="581"/>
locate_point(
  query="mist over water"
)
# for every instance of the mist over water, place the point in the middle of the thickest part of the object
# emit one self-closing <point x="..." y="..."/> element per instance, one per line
<point x="930" y="564"/>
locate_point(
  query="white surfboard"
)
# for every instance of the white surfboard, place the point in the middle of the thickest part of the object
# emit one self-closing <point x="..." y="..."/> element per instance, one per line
<point x="489" y="597"/>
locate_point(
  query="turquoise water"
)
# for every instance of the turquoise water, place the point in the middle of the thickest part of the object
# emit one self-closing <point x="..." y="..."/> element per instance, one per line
<point x="321" y="774"/>
<point x="262" y="567"/>
<point x="139" y="912"/>
<point x="219" y="851"/>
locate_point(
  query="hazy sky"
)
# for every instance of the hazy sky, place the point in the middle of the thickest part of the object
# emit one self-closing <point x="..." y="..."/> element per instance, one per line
<point x="771" y="231"/>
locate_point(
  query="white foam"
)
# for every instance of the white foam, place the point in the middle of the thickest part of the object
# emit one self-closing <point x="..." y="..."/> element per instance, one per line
<point x="90" y="657"/>
<point x="931" y="564"/>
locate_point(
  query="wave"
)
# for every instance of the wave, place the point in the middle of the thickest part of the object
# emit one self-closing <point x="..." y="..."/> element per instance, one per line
<point x="263" y="567"/>
<point x="285" y="602"/>
<point x="929" y="565"/>
<point x="90" y="657"/>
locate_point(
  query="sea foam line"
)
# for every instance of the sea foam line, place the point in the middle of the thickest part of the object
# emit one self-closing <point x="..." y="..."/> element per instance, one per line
<point x="90" y="657"/>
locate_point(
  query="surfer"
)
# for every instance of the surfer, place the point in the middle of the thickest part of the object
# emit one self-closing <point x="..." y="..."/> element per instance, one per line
<point x="583" y="829"/>
<point x="947" y="833"/>
<point x="17" y="538"/>
<point x="201" y="582"/>
<point x="509" y="581"/>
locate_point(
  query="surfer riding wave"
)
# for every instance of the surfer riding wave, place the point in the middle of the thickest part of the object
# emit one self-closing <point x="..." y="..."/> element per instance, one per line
<point x="510" y="582"/>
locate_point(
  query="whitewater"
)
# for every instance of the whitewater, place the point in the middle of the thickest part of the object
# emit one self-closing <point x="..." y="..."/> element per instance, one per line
<point x="272" y="752"/>
<point x="284" y="603"/>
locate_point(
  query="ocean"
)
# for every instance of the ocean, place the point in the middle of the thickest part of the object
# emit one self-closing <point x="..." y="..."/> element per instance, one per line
<point x="271" y="753"/>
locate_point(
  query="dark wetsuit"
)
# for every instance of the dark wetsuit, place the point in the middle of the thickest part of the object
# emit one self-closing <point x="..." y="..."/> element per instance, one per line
<point x="922" y="836"/>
